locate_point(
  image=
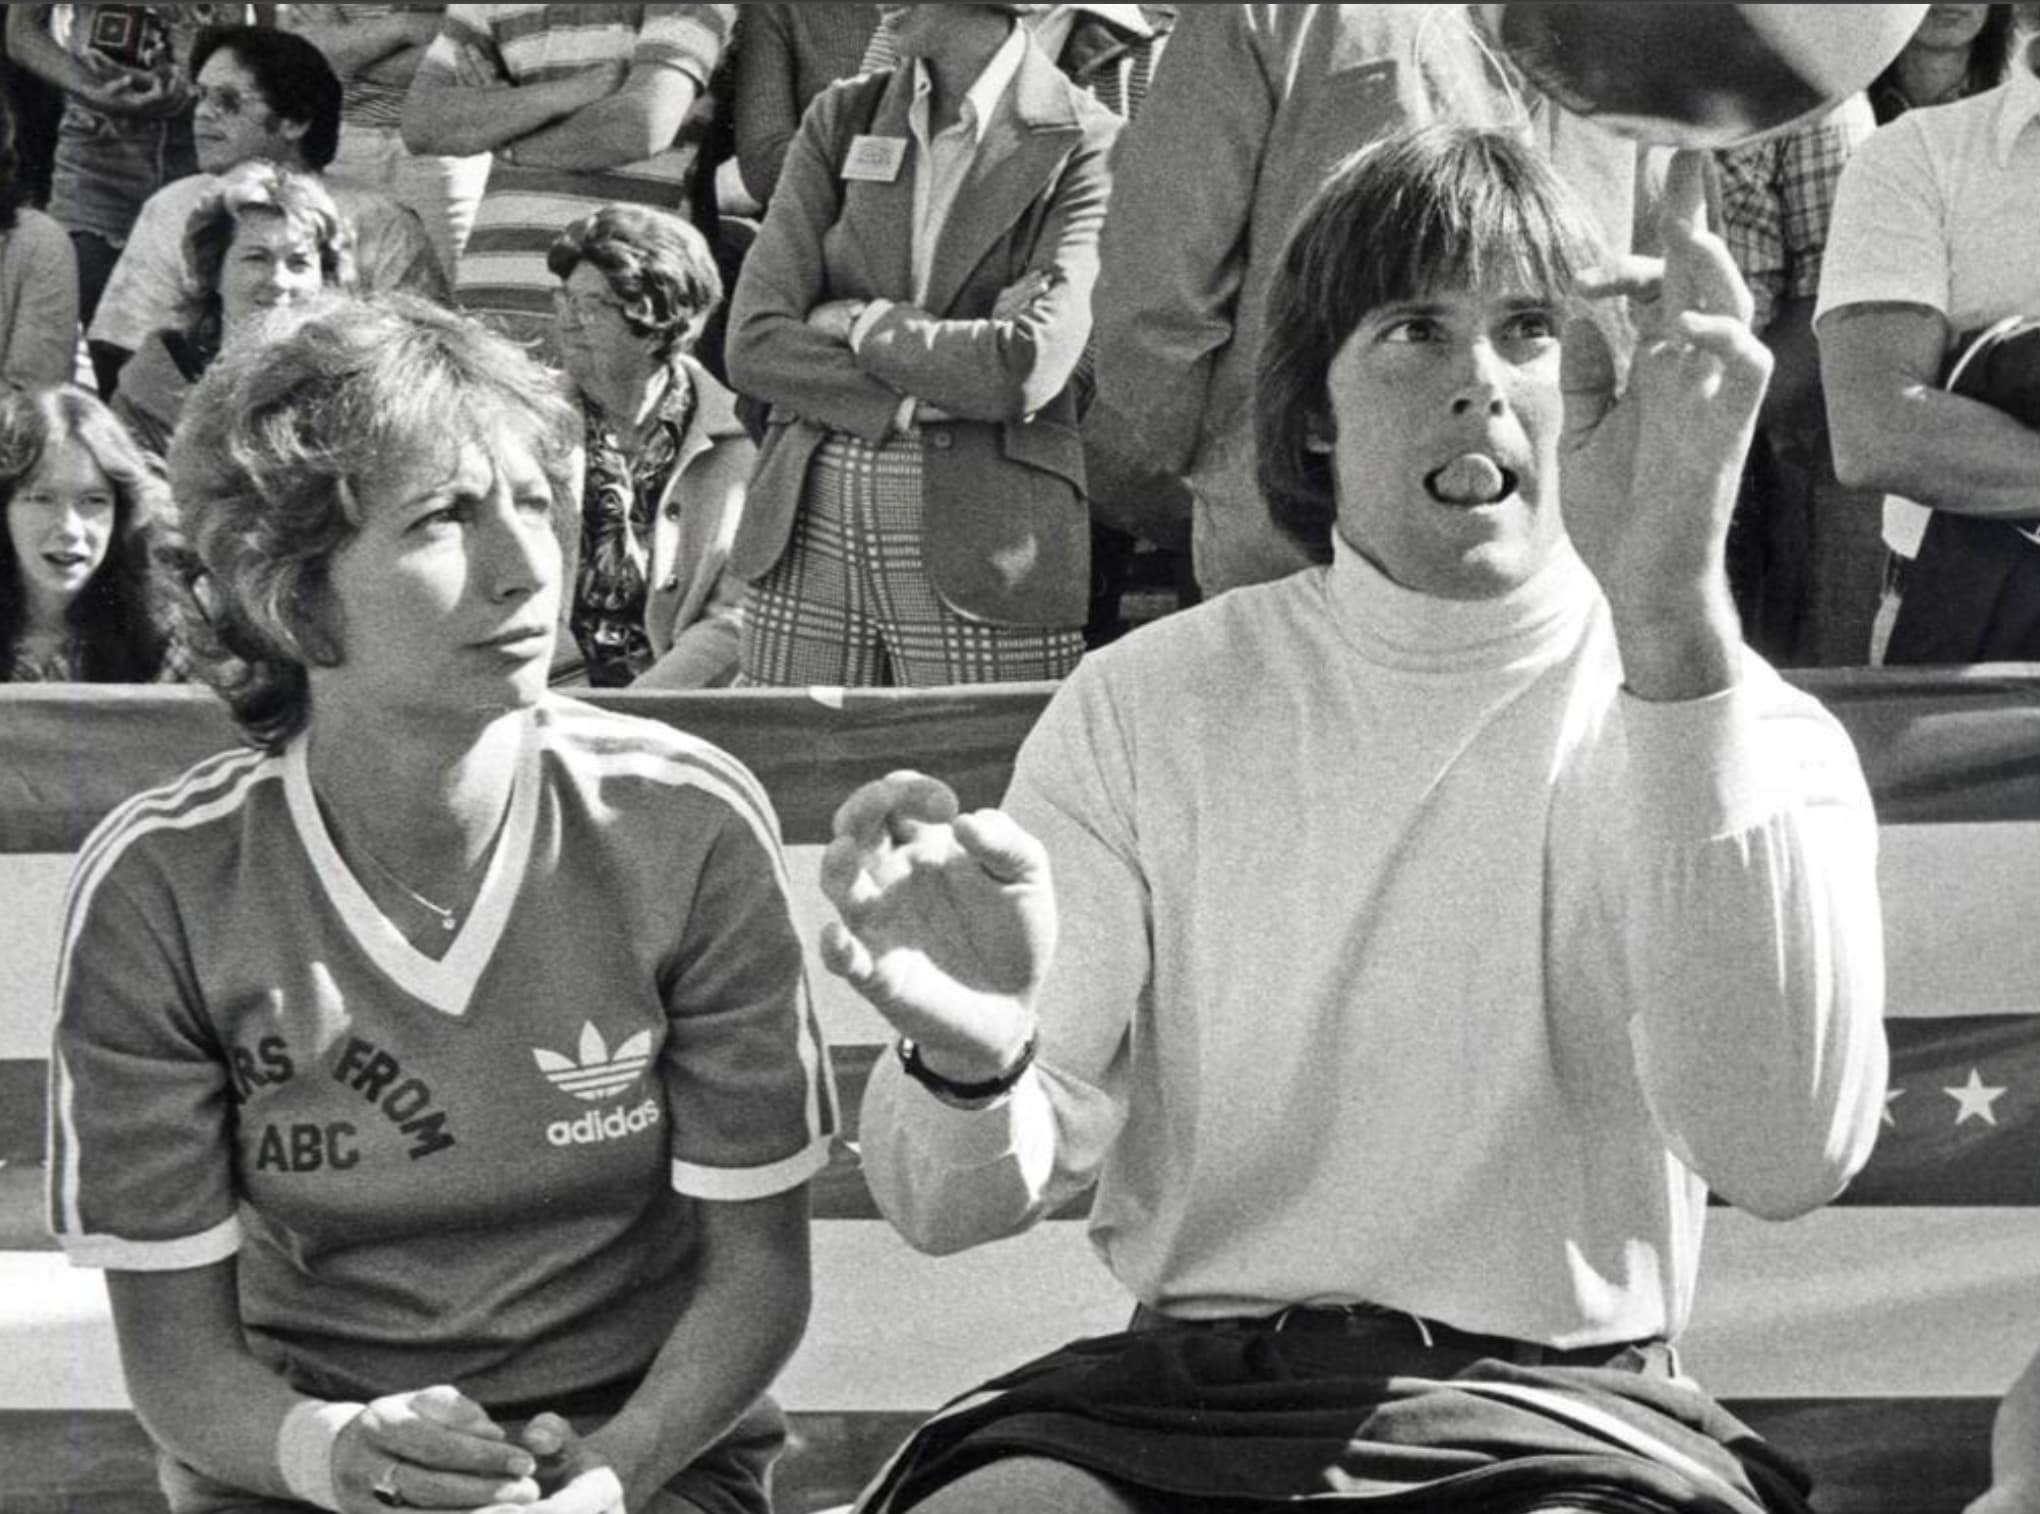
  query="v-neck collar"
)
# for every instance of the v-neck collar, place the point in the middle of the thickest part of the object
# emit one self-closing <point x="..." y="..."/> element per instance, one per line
<point x="447" y="984"/>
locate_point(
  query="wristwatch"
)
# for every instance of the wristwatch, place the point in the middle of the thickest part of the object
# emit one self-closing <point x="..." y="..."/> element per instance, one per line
<point x="950" y="1091"/>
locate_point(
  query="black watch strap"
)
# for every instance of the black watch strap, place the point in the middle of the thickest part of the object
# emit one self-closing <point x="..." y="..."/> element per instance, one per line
<point x="946" y="1088"/>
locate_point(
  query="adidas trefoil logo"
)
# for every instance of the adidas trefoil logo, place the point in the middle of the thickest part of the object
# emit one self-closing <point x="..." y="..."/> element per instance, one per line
<point x="599" y="1074"/>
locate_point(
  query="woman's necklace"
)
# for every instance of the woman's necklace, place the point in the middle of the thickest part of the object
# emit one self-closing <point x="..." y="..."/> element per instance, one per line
<point x="448" y="919"/>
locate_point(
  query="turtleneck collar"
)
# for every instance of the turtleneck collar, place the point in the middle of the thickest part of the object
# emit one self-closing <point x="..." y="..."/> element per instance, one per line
<point x="1402" y="629"/>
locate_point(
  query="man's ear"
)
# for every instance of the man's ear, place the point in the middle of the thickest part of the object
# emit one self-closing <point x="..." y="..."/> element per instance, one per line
<point x="294" y="131"/>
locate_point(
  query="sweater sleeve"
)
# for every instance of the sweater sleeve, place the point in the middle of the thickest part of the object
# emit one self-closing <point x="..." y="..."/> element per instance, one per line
<point x="952" y="1178"/>
<point x="1739" y="886"/>
<point x="42" y="274"/>
<point x="767" y="110"/>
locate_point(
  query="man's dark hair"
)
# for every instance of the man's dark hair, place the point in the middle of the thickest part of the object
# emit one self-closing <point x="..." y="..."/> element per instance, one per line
<point x="1427" y="210"/>
<point x="293" y="75"/>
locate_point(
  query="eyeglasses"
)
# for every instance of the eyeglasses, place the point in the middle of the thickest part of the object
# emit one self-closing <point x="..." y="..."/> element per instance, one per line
<point x="225" y="100"/>
<point x="580" y="309"/>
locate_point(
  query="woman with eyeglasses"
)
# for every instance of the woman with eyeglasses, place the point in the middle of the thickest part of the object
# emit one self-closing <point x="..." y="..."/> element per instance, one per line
<point x="667" y="459"/>
<point x="436" y="1077"/>
<point x="264" y="237"/>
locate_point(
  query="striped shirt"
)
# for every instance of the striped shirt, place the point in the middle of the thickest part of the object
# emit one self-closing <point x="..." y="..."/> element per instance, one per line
<point x="366" y="102"/>
<point x="502" y="276"/>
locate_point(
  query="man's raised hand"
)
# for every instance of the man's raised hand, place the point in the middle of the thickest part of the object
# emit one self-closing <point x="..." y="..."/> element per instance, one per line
<point x="947" y="921"/>
<point x="1650" y="476"/>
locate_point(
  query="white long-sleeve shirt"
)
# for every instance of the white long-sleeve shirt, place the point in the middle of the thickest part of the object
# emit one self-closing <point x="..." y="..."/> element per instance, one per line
<point x="1405" y="958"/>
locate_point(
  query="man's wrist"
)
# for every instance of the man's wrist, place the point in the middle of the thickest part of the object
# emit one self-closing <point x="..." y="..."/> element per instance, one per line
<point x="968" y="1082"/>
<point x="1684" y="648"/>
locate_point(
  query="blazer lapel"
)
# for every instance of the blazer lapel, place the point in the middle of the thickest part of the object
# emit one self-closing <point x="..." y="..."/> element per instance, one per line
<point x="878" y="219"/>
<point x="1025" y="141"/>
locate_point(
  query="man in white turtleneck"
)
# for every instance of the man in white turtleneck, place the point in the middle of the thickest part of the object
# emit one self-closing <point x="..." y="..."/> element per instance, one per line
<point x="1437" y="926"/>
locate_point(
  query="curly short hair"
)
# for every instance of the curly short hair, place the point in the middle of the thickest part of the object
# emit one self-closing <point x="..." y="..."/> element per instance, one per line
<point x="126" y="617"/>
<point x="655" y="262"/>
<point x="278" y="442"/>
<point x="248" y="189"/>
<point x="1437" y="207"/>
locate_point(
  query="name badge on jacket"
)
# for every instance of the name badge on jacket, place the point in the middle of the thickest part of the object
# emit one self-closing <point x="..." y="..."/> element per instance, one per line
<point x="874" y="160"/>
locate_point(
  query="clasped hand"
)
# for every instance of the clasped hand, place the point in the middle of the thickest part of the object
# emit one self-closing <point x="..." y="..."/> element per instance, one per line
<point x="438" y="1449"/>
<point x="947" y="921"/>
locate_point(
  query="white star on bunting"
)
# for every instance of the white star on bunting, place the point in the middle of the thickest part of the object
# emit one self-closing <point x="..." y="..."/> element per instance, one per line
<point x="1976" y="1098"/>
<point x="1890" y="1099"/>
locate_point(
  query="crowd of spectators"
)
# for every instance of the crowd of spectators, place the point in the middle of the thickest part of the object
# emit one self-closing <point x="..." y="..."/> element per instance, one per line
<point x="947" y="380"/>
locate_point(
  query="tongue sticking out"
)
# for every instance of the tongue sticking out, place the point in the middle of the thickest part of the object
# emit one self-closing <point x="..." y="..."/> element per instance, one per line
<point x="1471" y="479"/>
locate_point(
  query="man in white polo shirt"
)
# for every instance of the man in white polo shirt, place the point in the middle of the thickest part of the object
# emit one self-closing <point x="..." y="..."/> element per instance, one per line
<point x="1932" y="240"/>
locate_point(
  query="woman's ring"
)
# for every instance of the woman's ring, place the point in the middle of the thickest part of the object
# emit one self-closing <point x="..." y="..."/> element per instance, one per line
<point x="385" y="1491"/>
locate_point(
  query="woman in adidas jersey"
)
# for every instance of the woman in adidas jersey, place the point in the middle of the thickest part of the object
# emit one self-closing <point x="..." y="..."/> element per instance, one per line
<point x="435" y="1078"/>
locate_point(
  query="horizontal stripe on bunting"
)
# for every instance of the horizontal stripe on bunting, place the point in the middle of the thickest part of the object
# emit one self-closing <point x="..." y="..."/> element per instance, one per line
<point x="1865" y="1301"/>
<point x="1941" y="744"/>
<point x="70" y="753"/>
<point x="1958" y="905"/>
<point x="1962" y="1126"/>
<point x="1938" y="748"/>
<point x="1957" y="941"/>
<point x="1841" y="1303"/>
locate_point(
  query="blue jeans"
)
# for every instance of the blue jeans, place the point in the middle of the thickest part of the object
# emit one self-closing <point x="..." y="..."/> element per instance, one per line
<point x="106" y="166"/>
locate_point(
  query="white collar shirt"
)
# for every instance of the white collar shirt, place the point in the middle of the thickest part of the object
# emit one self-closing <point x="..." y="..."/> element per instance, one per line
<point x="943" y="161"/>
<point x="2019" y="107"/>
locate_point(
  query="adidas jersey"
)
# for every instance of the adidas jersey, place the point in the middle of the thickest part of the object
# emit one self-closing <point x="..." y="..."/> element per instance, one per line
<point x="478" y="1169"/>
